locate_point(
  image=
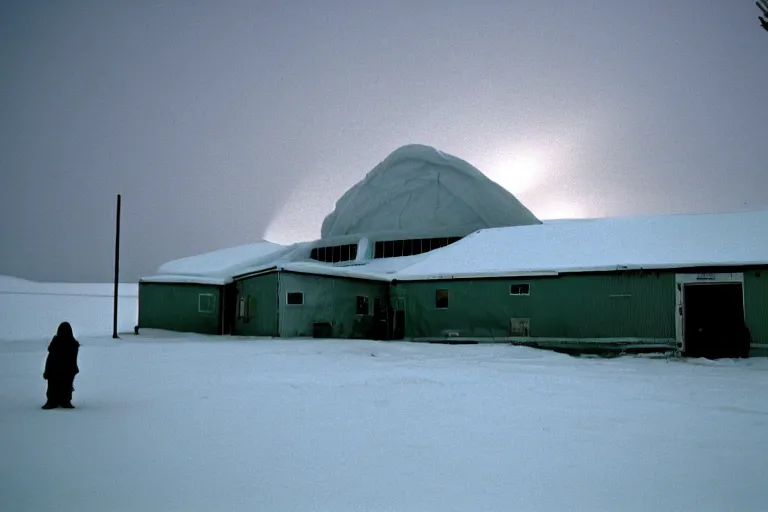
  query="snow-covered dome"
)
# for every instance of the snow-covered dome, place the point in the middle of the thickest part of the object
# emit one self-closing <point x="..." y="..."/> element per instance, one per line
<point x="417" y="189"/>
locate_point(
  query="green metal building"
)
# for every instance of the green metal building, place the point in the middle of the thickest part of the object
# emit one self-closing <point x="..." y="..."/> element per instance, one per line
<point x="418" y="261"/>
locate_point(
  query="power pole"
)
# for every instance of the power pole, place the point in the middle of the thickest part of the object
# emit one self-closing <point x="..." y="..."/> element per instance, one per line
<point x="117" y="270"/>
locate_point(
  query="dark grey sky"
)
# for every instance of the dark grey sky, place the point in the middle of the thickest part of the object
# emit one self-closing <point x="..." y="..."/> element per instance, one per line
<point x="220" y="121"/>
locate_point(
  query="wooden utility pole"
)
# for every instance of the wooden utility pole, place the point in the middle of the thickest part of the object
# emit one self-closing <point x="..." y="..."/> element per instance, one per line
<point x="117" y="270"/>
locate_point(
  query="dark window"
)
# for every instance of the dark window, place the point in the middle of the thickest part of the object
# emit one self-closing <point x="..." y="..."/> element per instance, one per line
<point x="410" y="247"/>
<point x="441" y="299"/>
<point x="520" y="289"/>
<point x="389" y="249"/>
<point x="295" y="298"/>
<point x="378" y="305"/>
<point x="398" y="250"/>
<point x="362" y="305"/>
<point x="334" y="254"/>
<point x="407" y="247"/>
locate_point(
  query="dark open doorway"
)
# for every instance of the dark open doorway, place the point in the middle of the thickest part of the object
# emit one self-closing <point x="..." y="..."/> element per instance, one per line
<point x="229" y="308"/>
<point x="713" y="320"/>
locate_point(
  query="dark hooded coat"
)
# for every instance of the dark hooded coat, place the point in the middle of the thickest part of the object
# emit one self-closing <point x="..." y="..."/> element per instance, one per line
<point x="61" y="364"/>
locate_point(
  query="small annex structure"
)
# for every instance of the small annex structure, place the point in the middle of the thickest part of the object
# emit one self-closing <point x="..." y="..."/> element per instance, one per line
<point x="425" y="248"/>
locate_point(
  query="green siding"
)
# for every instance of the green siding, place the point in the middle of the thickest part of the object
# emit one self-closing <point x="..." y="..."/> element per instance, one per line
<point x="756" y="308"/>
<point x="260" y="295"/>
<point x="174" y="307"/>
<point x="330" y="300"/>
<point x="569" y="306"/>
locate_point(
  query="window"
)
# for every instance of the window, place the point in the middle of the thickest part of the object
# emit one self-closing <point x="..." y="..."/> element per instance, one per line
<point x="520" y="289"/>
<point x="389" y="249"/>
<point x="441" y="299"/>
<point x="241" y="308"/>
<point x="294" y="298"/>
<point x="334" y="254"/>
<point x="407" y="247"/>
<point x="410" y="247"/>
<point x="205" y="303"/>
<point x="362" y="305"/>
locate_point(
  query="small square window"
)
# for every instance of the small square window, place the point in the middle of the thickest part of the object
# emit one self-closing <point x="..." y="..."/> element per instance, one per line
<point x="520" y="289"/>
<point x="441" y="299"/>
<point x="294" y="298"/>
<point x="363" y="305"/>
<point x="205" y="303"/>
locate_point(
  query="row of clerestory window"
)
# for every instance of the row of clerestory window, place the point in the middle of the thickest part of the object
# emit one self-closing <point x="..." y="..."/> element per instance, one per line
<point x="334" y="254"/>
<point x="411" y="247"/>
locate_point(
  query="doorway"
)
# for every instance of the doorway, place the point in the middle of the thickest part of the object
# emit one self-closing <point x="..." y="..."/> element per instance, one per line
<point x="229" y="308"/>
<point x="713" y="319"/>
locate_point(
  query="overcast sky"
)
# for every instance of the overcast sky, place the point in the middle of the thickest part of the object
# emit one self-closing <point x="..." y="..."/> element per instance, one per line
<point x="224" y="122"/>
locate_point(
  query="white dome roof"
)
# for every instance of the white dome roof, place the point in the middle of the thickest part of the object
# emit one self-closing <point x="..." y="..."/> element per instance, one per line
<point x="420" y="189"/>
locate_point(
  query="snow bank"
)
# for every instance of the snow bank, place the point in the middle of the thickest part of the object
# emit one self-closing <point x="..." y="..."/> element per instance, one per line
<point x="33" y="310"/>
<point x="418" y="188"/>
<point x="664" y="241"/>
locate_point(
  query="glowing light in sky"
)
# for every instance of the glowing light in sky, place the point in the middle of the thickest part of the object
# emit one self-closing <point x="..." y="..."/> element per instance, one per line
<point x="519" y="173"/>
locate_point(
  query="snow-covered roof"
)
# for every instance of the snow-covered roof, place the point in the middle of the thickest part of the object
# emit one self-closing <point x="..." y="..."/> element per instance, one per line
<point x="217" y="267"/>
<point x="652" y="242"/>
<point x="582" y="245"/>
<point x="419" y="188"/>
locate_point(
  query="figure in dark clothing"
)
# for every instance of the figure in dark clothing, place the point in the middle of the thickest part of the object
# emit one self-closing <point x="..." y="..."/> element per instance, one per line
<point x="61" y="368"/>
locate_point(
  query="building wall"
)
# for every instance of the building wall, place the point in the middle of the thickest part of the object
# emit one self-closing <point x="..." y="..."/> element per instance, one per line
<point x="756" y="309"/>
<point x="570" y="306"/>
<point x="327" y="300"/>
<point x="176" y="307"/>
<point x="259" y="294"/>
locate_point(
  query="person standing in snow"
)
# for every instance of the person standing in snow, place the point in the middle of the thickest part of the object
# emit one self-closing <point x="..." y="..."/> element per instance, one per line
<point x="61" y="368"/>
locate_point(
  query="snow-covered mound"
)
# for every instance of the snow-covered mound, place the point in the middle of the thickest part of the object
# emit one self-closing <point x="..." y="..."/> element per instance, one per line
<point x="418" y="188"/>
<point x="219" y="266"/>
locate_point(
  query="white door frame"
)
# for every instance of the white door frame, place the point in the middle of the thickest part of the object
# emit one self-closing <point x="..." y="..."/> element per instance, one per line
<point x="700" y="279"/>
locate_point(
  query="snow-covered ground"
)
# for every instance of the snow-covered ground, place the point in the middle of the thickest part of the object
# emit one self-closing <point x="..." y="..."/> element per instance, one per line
<point x="32" y="310"/>
<point x="168" y="422"/>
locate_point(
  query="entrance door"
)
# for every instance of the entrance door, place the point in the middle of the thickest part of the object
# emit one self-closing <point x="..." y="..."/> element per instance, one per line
<point x="713" y="319"/>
